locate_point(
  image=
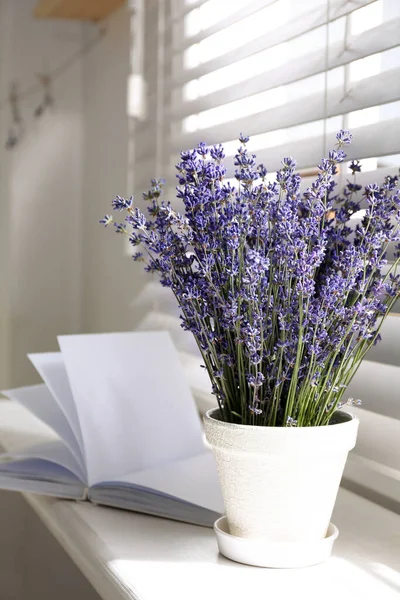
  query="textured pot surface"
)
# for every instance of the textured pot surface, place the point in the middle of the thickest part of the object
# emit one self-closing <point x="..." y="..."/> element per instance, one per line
<point x="280" y="483"/>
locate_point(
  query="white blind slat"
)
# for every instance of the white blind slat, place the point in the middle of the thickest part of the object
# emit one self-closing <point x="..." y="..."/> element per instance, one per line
<point x="378" y="386"/>
<point x="380" y="38"/>
<point x="308" y="152"/>
<point x="384" y="431"/>
<point x="374" y="464"/>
<point x="179" y="9"/>
<point x="307" y="22"/>
<point x="388" y="350"/>
<point x="382" y="88"/>
<point x="378" y="89"/>
<point x="372" y="479"/>
<point x="246" y="9"/>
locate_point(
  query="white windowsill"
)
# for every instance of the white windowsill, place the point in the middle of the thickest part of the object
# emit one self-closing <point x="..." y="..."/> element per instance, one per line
<point x="131" y="556"/>
<point x="126" y="555"/>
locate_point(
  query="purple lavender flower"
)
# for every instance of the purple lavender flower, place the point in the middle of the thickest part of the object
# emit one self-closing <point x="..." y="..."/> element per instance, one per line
<point x="121" y="203"/>
<point x="355" y="166"/>
<point x="344" y="136"/>
<point x="106" y="220"/>
<point x="255" y="410"/>
<point x="283" y="292"/>
<point x="255" y="380"/>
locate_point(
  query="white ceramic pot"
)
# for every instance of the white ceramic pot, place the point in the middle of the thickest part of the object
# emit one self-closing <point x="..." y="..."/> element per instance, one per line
<point x="280" y="483"/>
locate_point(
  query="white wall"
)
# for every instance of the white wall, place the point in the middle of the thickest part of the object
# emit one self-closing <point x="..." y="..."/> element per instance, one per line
<point x="111" y="277"/>
<point x="61" y="271"/>
<point x="41" y="283"/>
<point x="33" y="566"/>
<point x="5" y="45"/>
<point x="40" y="193"/>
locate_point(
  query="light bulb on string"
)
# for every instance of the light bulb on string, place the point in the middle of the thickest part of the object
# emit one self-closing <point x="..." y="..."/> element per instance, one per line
<point x="48" y="99"/>
<point x="16" y="129"/>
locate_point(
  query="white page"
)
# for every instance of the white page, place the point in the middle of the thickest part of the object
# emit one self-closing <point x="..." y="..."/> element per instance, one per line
<point x="194" y="480"/>
<point x="71" y="490"/>
<point x="51" y="368"/>
<point x="134" y="404"/>
<point x="26" y="437"/>
<point x="53" y="451"/>
<point x="20" y="429"/>
<point x="22" y="476"/>
<point x="38" y="400"/>
<point x="34" y="467"/>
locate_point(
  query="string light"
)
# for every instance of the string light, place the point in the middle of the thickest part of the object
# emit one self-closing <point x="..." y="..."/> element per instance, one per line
<point x="48" y="100"/>
<point x="16" y="129"/>
<point x="44" y="82"/>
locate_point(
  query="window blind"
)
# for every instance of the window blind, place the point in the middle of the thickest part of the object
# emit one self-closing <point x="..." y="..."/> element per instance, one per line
<point x="289" y="74"/>
<point x="373" y="468"/>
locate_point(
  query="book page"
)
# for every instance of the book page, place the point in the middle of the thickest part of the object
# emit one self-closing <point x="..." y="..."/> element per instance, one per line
<point x="54" y="452"/>
<point x="194" y="480"/>
<point x="40" y="402"/>
<point x="25" y="437"/>
<point x="51" y="368"/>
<point x="134" y="404"/>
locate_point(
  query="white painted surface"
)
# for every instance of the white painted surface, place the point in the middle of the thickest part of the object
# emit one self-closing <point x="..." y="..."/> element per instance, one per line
<point x="126" y="555"/>
<point x="33" y="565"/>
<point x="40" y="266"/>
<point x="40" y="192"/>
<point x="130" y="556"/>
<point x="61" y="272"/>
<point x="111" y="278"/>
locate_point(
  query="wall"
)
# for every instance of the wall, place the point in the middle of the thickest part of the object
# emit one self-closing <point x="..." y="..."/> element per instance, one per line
<point x="40" y="193"/>
<point x="5" y="44"/>
<point x="33" y="566"/>
<point x="111" y="278"/>
<point x="61" y="272"/>
<point x="64" y="273"/>
<point x="41" y="280"/>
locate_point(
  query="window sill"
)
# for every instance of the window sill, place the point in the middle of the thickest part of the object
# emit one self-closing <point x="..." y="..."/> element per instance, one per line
<point x="126" y="555"/>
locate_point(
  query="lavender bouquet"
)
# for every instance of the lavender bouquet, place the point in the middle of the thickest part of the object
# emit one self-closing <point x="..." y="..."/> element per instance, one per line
<point x="283" y="297"/>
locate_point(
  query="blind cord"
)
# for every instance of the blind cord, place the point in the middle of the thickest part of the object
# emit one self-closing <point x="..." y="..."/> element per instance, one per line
<point x="324" y="139"/>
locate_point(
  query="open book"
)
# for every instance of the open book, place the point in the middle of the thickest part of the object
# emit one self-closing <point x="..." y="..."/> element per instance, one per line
<point x="125" y="429"/>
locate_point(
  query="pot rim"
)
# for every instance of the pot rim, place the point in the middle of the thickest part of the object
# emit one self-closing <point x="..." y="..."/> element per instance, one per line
<point x="209" y="416"/>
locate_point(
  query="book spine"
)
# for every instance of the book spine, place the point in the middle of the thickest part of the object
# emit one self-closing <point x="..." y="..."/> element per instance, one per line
<point x="85" y="496"/>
